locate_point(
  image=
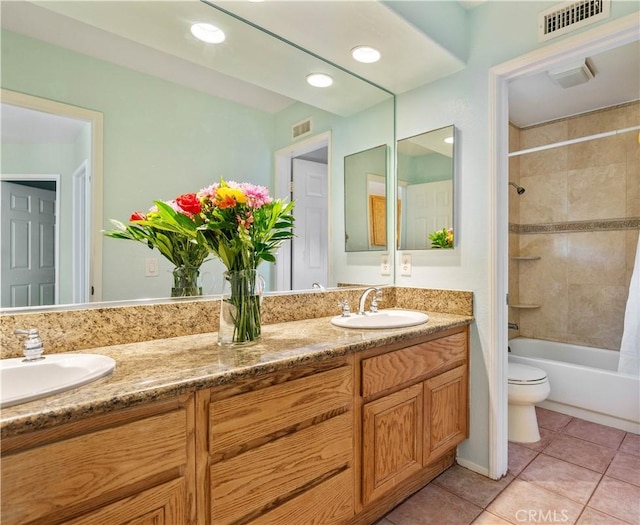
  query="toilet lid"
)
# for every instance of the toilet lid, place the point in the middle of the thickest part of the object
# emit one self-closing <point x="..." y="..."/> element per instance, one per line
<point x="525" y="374"/>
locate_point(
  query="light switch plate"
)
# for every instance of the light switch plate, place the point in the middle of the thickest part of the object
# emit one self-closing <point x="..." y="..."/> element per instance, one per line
<point x="385" y="267"/>
<point x="405" y="265"/>
<point x="151" y="267"/>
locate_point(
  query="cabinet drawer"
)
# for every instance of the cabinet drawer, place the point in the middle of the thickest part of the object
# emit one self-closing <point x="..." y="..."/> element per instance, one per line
<point x="250" y="484"/>
<point x="97" y="466"/>
<point x="400" y="367"/>
<point x="330" y="503"/>
<point x="244" y="421"/>
<point x="163" y="505"/>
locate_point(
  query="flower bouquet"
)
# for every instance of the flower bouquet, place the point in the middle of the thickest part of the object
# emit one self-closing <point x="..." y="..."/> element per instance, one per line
<point x="241" y="225"/>
<point x="181" y="250"/>
<point x="442" y="238"/>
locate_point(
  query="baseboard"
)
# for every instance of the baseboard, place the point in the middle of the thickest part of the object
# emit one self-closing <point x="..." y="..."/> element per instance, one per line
<point x="594" y="417"/>
<point x="472" y="466"/>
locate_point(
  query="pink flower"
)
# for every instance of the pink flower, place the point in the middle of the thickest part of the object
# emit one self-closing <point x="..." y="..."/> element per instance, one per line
<point x="246" y="222"/>
<point x="257" y="196"/>
<point x="208" y="193"/>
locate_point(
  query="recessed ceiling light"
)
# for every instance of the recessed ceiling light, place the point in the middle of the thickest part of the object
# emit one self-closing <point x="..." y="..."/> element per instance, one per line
<point x="319" y="80"/>
<point x="365" y="54"/>
<point x="449" y="140"/>
<point x="207" y="33"/>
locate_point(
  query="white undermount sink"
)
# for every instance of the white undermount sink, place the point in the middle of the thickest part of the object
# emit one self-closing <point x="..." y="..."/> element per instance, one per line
<point x="22" y="381"/>
<point x="387" y="318"/>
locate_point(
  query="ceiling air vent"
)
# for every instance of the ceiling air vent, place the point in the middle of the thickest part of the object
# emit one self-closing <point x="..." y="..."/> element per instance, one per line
<point x="301" y="128"/>
<point x="570" y="16"/>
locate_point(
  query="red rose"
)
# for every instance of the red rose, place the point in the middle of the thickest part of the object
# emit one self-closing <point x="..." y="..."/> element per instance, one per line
<point x="137" y="216"/>
<point x="189" y="203"/>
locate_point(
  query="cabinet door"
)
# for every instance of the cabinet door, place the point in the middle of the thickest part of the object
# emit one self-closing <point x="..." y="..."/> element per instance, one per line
<point x="445" y="414"/>
<point x="392" y="440"/>
<point x="113" y="461"/>
<point x="163" y="505"/>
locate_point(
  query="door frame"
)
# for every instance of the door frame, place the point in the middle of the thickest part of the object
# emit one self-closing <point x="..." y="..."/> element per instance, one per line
<point x="95" y="120"/>
<point x="80" y="237"/>
<point x="45" y="177"/>
<point x="283" y="171"/>
<point x="610" y="35"/>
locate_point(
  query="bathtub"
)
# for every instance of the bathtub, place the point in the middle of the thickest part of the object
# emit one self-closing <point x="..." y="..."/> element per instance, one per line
<point x="584" y="381"/>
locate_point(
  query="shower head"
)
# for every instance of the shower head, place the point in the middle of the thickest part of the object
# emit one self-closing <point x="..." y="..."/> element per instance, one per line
<point x="519" y="189"/>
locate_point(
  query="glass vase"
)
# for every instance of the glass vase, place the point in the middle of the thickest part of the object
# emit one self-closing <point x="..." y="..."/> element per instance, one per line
<point x="240" y="307"/>
<point x="185" y="281"/>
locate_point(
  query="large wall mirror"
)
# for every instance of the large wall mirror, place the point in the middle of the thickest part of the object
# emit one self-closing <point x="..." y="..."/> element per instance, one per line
<point x="178" y="115"/>
<point x="425" y="174"/>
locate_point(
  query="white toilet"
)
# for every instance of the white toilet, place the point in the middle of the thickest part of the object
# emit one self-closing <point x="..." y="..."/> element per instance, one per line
<point x="528" y="385"/>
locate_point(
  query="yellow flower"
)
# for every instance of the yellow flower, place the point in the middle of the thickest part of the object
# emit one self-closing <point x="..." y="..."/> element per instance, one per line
<point x="228" y="197"/>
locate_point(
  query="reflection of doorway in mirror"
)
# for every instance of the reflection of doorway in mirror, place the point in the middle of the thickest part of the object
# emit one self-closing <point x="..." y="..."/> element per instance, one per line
<point x="429" y="209"/>
<point x="377" y="191"/>
<point x="310" y="245"/>
<point x="377" y="220"/>
<point x="29" y="261"/>
<point x="302" y="175"/>
<point x="45" y="136"/>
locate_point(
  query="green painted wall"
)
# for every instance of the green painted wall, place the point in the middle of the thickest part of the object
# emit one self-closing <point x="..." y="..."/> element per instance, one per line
<point x="160" y="140"/>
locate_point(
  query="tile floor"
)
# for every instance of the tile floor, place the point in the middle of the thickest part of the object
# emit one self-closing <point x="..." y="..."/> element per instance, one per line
<point x="578" y="473"/>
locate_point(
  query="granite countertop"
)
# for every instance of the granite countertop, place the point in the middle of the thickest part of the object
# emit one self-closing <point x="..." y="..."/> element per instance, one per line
<point x="151" y="370"/>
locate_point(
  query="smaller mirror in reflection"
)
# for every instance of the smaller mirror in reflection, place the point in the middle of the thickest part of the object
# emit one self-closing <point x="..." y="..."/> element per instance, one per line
<point x="365" y="200"/>
<point x="425" y="172"/>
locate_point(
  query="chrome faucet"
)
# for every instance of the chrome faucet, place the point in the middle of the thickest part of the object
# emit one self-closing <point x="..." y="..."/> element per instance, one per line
<point x="513" y="326"/>
<point x="33" y="348"/>
<point x="346" y="311"/>
<point x="374" y="302"/>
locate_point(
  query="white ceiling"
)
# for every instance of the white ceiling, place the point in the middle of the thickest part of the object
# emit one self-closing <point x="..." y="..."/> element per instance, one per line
<point x="537" y="98"/>
<point x="331" y="29"/>
<point x="256" y="70"/>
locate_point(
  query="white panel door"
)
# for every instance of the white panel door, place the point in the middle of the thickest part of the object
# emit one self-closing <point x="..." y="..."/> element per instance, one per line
<point x="429" y="208"/>
<point x="311" y="242"/>
<point x="27" y="261"/>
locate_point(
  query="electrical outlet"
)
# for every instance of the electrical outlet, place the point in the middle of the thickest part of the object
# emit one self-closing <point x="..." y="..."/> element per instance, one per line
<point x="405" y="265"/>
<point x="385" y="267"/>
<point x="151" y="267"/>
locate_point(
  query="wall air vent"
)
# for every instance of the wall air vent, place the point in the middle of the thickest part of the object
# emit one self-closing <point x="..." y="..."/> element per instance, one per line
<point x="301" y="129"/>
<point x="570" y="16"/>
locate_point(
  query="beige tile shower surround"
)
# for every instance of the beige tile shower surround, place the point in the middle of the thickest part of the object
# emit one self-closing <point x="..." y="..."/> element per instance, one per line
<point x="581" y="214"/>
<point x="80" y="329"/>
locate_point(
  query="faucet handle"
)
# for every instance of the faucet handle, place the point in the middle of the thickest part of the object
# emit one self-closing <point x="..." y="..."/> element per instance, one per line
<point x="33" y="348"/>
<point x="346" y="310"/>
<point x="373" y="307"/>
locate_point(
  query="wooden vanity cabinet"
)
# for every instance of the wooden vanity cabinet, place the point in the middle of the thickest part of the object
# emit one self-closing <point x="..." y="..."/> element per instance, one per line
<point x="333" y="442"/>
<point x="414" y="402"/>
<point x="278" y="449"/>
<point x="134" y="466"/>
